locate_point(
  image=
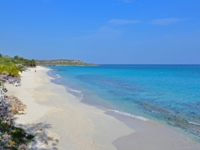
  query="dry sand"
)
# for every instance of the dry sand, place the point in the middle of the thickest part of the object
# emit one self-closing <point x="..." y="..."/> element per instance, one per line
<point x="60" y="121"/>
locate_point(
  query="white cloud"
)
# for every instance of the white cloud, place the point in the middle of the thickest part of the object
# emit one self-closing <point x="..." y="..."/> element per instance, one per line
<point x="166" y="21"/>
<point x="122" y="22"/>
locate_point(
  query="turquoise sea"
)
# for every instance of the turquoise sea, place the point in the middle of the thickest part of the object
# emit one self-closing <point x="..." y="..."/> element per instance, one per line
<point x="168" y="94"/>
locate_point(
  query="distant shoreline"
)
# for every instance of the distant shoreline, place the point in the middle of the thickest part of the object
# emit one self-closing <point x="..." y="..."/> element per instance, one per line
<point x="62" y="62"/>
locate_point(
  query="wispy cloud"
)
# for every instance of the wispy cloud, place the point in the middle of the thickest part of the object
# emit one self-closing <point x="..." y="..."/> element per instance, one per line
<point x="166" y="21"/>
<point x="123" y="22"/>
<point x="103" y="33"/>
<point x="128" y="1"/>
<point x="106" y="32"/>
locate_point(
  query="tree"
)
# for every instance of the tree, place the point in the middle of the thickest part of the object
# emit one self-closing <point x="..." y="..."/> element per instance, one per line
<point x="16" y="57"/>
<point x="13" y="70"/>
<point x="2" y="69"/>
<point x="33" y="63"/>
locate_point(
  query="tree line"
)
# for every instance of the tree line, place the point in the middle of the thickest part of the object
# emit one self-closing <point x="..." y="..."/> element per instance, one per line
<point x="14" y="65"/>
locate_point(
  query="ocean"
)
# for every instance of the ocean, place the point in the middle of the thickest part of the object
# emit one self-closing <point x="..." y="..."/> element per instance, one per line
<point x="168" y="94"/>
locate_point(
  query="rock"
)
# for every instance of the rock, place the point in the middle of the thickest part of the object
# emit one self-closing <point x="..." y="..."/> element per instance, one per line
<point x="9" y="105"/>
<point x="15" y="103"/>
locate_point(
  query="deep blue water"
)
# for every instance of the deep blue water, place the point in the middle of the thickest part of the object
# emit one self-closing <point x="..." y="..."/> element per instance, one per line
<point x="164" y="93"/>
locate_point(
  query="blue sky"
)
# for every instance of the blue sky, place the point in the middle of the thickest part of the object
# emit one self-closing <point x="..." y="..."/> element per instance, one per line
<point x="102" y="31"/>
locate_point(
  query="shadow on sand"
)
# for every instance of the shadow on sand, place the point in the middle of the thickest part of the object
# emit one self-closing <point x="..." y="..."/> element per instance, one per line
<point x="44" y="140"/>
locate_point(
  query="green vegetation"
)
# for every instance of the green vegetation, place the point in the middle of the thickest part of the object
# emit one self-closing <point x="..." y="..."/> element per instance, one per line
<point x="62" y="62"/>
<point x="12" y="137"/>
<point x="12" y="66"/>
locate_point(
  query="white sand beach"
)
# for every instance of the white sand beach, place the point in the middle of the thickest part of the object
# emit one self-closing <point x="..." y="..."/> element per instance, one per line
<point x="60" y="121"/>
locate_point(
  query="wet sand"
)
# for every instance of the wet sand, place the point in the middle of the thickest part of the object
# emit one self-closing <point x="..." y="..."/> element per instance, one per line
<point x="60" y="121"/>
<point x="150" y="135"/>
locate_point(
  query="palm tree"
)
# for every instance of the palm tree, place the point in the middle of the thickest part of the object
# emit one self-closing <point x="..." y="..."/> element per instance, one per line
<point x="6" y="60"/>
<point x="12" y="70"/>
<point x="2" y="68"/>
<point x="20" y="68"/>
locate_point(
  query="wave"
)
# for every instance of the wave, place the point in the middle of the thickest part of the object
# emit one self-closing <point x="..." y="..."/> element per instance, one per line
<point x="194" y="123"/>
<point x="129" y="115"/>
<point x="75" y="91"/>
<point x="58" y="76"/>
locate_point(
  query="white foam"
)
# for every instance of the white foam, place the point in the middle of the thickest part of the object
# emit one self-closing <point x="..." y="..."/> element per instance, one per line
<point x="76" y="91"/>
<point x="58" y="76"/>
<point x="129" y="115"/>
<point x="194" y="123"/>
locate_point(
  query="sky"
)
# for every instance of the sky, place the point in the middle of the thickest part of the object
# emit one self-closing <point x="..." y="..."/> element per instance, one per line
<point x="102" y="31"/>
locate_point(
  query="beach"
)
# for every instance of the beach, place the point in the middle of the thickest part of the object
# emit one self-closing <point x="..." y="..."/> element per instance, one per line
<point x="61" y="121"/>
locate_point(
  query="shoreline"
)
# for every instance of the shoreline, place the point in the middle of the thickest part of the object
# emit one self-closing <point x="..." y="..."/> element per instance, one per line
<point x="69" y="123"/>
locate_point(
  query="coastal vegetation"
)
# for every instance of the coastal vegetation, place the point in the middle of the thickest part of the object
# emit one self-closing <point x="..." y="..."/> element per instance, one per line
<point x="62" y="62"/>
<point x="11" y="137"/>
<point x="13" y="66"/>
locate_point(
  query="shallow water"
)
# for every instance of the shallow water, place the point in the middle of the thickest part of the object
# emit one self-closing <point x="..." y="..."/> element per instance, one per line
<point x="164" y="93"/>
